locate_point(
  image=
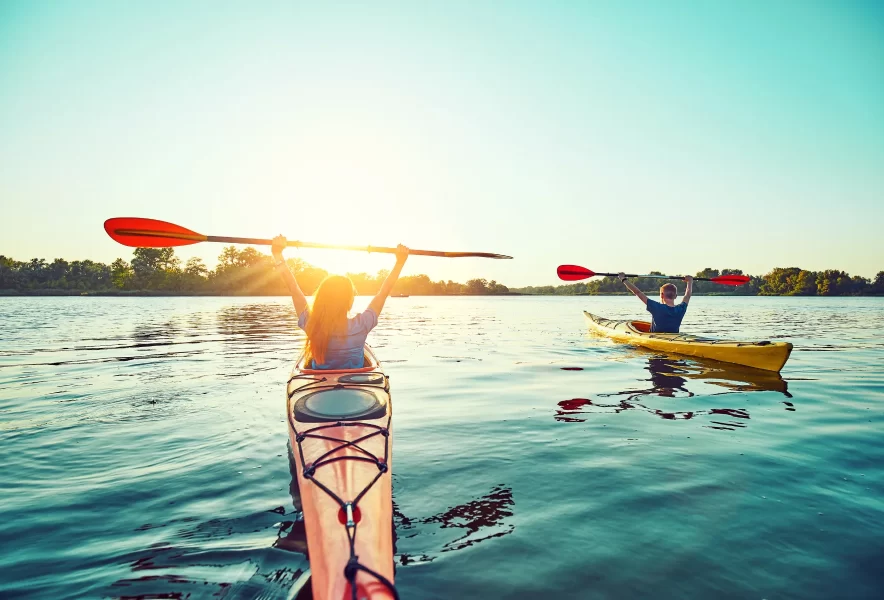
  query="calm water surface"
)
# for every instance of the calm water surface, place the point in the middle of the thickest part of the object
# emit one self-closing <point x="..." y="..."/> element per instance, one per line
<point x="145" y="451"/>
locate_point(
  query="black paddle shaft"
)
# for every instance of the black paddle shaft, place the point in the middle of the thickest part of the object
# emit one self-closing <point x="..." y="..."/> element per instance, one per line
<point x="376" y="249"/>
<point x="653" y="276"/>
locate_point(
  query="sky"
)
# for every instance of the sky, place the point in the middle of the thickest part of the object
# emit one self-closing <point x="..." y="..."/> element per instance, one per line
<point x="630" y="136"/>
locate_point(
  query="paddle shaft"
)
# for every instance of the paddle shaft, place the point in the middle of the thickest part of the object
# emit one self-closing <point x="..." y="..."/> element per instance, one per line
<point x="296" y="244"/>
<point x="369" y="249"/>
<point x="651" y="276"/>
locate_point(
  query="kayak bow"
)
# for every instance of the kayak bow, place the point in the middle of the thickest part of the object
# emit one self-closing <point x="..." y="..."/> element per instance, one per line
<point x="339" y="425"/>
<point x="770" y="356"/>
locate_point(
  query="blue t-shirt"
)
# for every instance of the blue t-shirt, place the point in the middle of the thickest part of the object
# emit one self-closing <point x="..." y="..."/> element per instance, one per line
<point x="346" y="351"/>
<point x="666" y="319"/>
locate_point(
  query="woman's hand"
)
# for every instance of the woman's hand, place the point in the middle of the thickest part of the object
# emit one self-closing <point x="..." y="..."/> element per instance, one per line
<point x="401" y="254"/>
<point x="279" y="244"/>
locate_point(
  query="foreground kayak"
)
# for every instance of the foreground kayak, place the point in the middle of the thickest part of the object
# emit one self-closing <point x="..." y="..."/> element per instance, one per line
<point x="770" y="356"/>
<point x="339" y="425"/>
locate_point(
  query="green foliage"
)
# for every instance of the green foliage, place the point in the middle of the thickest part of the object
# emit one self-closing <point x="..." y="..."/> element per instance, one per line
<point x="156" y="269"/>
<point x="789" y="281"/>
<point x="250" y="272"/>
<point x="37" y="274"/>
<point x="839" y="283"/>
<point x="483" y="287"/>
<point x="240" y="272"/>
<point x="122" y="275"/>
<point x="9" y="273"/>
<point x="793" y="281"/>
<point x="194" y="276"/>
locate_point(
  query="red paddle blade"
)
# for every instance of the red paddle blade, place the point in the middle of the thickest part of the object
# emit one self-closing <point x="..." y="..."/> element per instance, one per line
<point x="734" y="280"/>
<point x="573" y="273"/>
<point x="150" y="233"/>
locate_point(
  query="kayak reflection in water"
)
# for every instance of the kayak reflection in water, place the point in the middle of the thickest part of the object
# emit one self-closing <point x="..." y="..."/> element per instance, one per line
<point x="666" y="315"/>
<point x="334" y="339"/>
<point x="670" y="378"/>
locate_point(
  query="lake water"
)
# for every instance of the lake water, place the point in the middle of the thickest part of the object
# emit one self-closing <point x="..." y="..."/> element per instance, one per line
<point x="145" y="451"/>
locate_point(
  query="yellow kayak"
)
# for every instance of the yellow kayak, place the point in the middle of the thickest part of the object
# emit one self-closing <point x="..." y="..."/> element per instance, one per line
<point x="770" y="356"/>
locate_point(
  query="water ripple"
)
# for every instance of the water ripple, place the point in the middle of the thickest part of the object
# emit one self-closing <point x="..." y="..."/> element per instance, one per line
<point x="146" y="455"/>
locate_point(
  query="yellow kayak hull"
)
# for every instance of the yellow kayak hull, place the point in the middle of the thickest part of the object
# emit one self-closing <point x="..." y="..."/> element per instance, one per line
<point x="770" y="356"/>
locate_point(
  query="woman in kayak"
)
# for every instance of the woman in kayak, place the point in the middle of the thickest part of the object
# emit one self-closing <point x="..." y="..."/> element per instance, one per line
<point x="666" y="315"/>
<point x="335" y="340"/>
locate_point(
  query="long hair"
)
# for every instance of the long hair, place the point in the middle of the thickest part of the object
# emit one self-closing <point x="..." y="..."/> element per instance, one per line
<point x="328" y="316"/>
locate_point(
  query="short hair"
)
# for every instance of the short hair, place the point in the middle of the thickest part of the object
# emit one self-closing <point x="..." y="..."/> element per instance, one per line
<point x="669" y="291"/>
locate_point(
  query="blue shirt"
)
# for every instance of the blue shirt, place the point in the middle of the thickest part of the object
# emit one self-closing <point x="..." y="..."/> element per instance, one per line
<point x="666" y="319"/>
<point x="346" y="351"/>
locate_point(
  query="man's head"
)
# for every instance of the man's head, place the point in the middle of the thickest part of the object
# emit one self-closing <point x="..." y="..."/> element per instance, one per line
<point x="668" y="292"/>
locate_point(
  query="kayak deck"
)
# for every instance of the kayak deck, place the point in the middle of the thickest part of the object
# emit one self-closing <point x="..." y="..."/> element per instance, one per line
<point x="341" y="438"/>
<point x="769" y="356"/>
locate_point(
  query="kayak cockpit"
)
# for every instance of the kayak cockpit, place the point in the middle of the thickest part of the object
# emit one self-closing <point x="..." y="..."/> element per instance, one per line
<point x="642" y="326"/>
<point x="369" y="363"/>
<point x="332" y="395"/>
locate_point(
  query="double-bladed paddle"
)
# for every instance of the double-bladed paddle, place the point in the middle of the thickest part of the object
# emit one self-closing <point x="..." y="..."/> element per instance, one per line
<point x="577" y="273"/>
<point x="151" y="233"/>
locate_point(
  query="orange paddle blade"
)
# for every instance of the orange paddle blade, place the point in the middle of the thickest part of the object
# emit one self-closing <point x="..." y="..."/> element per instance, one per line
<point x="573" y="273"/>
<point x="733" y="280"/>
<point x="150" y="233"/>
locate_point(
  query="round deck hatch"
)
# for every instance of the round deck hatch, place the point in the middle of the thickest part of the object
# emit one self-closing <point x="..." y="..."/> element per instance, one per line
<point x="339" y="404"/>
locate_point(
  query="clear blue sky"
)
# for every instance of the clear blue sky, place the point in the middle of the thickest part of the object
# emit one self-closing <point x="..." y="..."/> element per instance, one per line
<point x="616" y="135"/>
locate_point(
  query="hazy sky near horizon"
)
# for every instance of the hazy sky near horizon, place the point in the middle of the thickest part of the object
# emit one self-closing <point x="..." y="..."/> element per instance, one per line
<point x="616" y="135"/>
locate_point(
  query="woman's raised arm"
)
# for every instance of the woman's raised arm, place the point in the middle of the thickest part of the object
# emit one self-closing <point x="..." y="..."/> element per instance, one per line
<point x="298" y="297"/>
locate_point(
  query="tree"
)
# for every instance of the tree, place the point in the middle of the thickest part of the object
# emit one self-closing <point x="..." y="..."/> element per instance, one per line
<point x="830" y="282"/>
<point x="247" y="271"/>
<point x="476" y="286"/>
<point x="414" y="285"/>
<point x="366" y="285"/>
<point x="9" y="273"/>
<point x="122" y="275"/>
<point x="804" y="284"/>
<point x="195" y="274"/>
<point x="605" y="285"/>
<point x="231" y="258"/>
<point x="452" y="288"/>
<point x="155" y="268"/>
<point x="86" y="275"/>
<point x="860" y="285"/>
<point x="790" y="281"/>
<point x="195" y="267"/>
<point x="57" y="272"/>
<point x="497" y="288"/>
<point x="35" y="273"/>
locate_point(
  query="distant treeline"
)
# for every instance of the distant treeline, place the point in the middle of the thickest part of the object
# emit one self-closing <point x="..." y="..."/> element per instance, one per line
<point x="249" y="272"/>
<point x="239" y="272"/>
<point x="782" y="281"/>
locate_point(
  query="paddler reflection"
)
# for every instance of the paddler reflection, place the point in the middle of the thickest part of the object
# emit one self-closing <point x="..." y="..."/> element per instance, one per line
<point x="295" y="537"/>
<point x="674" y="378"/>
<point x="474" y="521"/>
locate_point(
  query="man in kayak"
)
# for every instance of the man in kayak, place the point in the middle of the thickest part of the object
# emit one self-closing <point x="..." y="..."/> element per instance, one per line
<point x="666" y="315"/>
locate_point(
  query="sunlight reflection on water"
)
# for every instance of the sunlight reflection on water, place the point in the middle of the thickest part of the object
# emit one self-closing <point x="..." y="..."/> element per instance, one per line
<point x="145" y="450"/>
